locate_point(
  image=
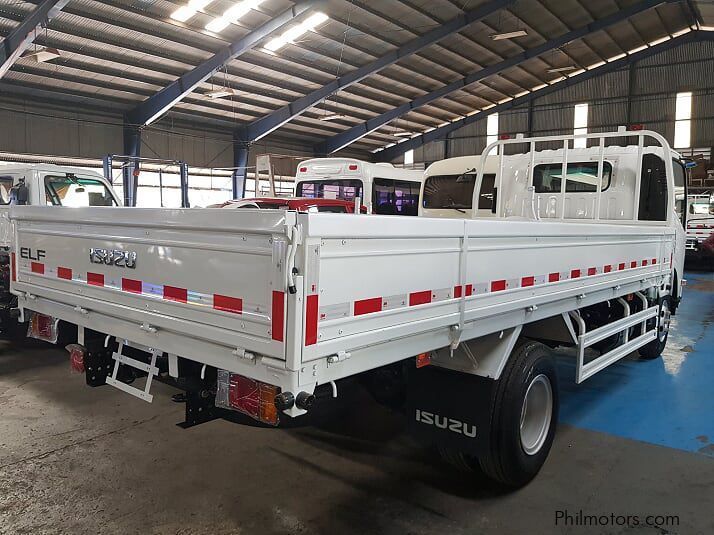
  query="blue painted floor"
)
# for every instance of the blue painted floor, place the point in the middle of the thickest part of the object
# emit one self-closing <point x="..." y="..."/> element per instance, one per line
<point x="667" y="401"/>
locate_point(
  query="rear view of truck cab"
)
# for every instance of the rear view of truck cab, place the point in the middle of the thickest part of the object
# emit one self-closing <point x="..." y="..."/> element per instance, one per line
<point x="40" y="185"/>
<point x="383" y="188"/>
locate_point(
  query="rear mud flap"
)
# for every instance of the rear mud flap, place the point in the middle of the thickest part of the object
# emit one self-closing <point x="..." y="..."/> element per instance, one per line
<point x="450" y="408"/>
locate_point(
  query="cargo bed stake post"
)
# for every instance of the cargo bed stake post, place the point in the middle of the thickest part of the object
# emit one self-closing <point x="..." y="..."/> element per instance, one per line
<point x="456" y="330"/>
<point x="638" y="177"/>
<point x="600" y="173"/>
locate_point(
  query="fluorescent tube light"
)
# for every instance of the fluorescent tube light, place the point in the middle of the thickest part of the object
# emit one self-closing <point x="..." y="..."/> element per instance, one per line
<point x="509" y="35"/>
<point x="562" y="69"/>
<point x="309" y="24"/>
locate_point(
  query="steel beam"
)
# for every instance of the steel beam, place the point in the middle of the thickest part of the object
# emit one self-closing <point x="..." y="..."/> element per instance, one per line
<point x="264" y="126"/>
<point x="348" y="137"/>
<point x="156" y="105"/>
<point x="15" y="44"/>
<point x="391" y="153"/>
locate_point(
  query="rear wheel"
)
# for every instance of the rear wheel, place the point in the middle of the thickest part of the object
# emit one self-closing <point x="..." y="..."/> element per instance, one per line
<point x="524" y="416"/>
<point x="664" y="317"/>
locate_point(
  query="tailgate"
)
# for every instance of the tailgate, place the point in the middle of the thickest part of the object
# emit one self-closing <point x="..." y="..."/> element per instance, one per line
<point x="216" y="275"/>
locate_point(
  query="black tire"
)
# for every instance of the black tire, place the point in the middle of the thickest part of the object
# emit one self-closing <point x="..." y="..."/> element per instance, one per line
<point x="654" y="349"/>
<point x="508" y="461"/>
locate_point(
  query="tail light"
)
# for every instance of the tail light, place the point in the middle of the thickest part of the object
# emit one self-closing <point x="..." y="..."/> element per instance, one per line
<point x="423" y="359"/>
<point x="43" y="327"/>
<point x="248" y="396"/>
<point x="76" y="357"/>
<point x="303" y="169"/>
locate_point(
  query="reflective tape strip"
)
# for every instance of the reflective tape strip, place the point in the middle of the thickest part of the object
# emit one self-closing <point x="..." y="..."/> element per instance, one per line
<point x="277" y="316"/>
<point x="226" y="303"/>
<point x="173" y="293"/>
<point x="64" y="273"/>
<point x="37" y="267"/>
<point x="312" y="308"/>
<point x="95" y="279"/>
<point x="368" y="306"/>
<point x="419" y="298"/>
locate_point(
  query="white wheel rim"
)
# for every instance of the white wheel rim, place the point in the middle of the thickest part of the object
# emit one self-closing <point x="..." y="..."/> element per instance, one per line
<point x="665" y="318"/>
<point x="536" y="414"/>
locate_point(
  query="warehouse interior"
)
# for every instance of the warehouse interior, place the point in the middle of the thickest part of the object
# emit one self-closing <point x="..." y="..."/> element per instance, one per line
<point x="189" y="104"/>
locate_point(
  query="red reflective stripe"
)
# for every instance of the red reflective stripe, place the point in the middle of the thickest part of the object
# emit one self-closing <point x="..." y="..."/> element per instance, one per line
<point x="95" y="279"/>
<point x="575" y="273"/>
<point x="469" y="289"/>
<point x="592" y="271"/>
<point x="644" y="262"/>
<point x="228" y="304"/>
<point x="654" y="261"/>
<point x="13" y="269"/>
<point x="367" y="306"/>
<point x="172" y="293"/>
<point x="64" y="273"/>
<point x="621" y="266"/>
<point x="37" y="267"/>
<point x="497" y="286"/>
<point x="633" y="264"/>
<point x="278" y="316"/>
<point x="554" y="277"/>
<point x="607" y="268"/>
<point x="419" y="298"/>
<point x="527" y="281"/>
<point x="458" y="291"/>
<point x="311" y="313"/>
<point x="131" y="285"/>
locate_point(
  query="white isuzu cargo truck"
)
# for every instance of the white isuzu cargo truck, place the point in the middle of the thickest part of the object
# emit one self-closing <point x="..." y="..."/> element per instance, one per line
<point x="41" y="185"/>
<point x="267" y="312"/>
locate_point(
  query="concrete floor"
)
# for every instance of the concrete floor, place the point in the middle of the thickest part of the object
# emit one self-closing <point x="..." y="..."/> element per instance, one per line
<point x="79" y="460"/>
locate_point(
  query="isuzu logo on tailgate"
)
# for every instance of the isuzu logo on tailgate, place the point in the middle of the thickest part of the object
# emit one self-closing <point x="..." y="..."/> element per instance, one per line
<point x="112" y="257"/>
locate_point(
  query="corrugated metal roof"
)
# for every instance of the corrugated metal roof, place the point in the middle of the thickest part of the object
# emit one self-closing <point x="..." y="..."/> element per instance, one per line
<point x="122" y="51"/>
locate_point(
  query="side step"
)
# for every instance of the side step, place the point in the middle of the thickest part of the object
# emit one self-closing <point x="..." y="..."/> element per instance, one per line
<point x="586" y="339"/>
<point x="150" y="369"/>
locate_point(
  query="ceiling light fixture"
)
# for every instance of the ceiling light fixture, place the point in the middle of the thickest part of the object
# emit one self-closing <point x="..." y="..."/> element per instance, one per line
<point x="331" y="116"/>
<point x="42" y="54"/>
<point x="222" y="92"/>
<point x="509" y="35"/>
<point x="562" y="69"/>
<point x="232" y="15"/>
<point x="184" y="13"/>
<point x="402" y="134"/>
<point x="309" y="24"/>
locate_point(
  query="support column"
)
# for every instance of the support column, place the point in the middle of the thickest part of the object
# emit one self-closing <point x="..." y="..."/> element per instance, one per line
<point x="530" y="118"/>
<point x="130" y="172"/>
<point x="107" y="166"/>
<point x="183" y="170"/>
<point x="240" y="162"/>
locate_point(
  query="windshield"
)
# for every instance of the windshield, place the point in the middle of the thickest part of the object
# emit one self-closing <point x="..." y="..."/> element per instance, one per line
<point x="456" y="191"/>
<point x="345" y="190"/>
<point x="73" y="191"/>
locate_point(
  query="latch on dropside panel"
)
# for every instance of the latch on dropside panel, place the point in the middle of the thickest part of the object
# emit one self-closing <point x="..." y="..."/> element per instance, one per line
<point x="150" y="369"/>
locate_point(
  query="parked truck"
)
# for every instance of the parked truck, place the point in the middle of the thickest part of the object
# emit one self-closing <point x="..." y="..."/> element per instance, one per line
<point x="41" y="185"/>
<point x="453" y="321"/>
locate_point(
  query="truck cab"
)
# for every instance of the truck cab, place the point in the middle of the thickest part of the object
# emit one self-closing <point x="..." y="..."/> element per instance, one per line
<point x="384" y="189"/>
<point x="42" y="185"/>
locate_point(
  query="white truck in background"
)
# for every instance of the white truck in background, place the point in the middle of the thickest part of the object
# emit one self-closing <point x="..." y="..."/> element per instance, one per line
<point x="700" y="221"/>
<point x="41" y="185"/>
<point x="383" y="188"/>
<point x="268" y="312"/>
